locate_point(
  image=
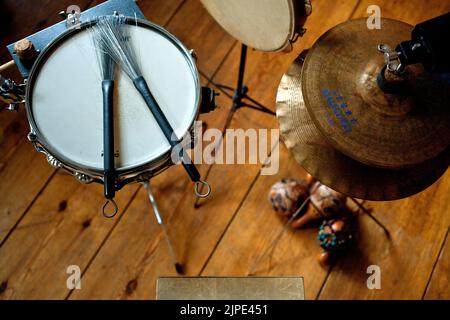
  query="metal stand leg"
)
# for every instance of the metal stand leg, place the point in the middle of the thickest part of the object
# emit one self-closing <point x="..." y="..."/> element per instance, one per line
<point x="239" y="94"/>
<point x="277" y="238"/>
<point x="371" y="216"/>
<point x="178" y="266"/>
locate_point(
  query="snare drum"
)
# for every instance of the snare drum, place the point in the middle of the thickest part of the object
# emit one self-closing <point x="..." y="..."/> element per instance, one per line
<point x="266" y="25"/>
<point x="64" y="104"/>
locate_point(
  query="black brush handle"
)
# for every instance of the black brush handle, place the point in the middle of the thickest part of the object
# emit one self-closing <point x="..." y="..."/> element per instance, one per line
<point x="108" y="139"/>
<point x="142" y="87"/>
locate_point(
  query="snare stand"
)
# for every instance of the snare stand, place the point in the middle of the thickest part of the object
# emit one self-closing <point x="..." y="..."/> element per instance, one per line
<point x="176" y="263"/>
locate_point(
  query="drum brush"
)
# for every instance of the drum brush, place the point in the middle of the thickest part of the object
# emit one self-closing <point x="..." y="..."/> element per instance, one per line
<point x="116" y="39"/>
<point x="107" y="66"/>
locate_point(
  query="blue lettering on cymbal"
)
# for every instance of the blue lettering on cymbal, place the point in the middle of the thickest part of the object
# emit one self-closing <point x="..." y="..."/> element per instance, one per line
<point x="340" y="109"/>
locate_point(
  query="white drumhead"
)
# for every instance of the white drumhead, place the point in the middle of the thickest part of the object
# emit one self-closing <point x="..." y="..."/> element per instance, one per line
<point x="66" y="105"/>
<point x="266" y="25"/>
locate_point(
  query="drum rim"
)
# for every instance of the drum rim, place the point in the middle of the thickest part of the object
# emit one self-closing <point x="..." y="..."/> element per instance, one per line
<point x="44" y="146"/>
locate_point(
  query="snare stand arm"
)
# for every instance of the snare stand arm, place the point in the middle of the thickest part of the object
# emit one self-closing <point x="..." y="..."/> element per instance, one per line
<point x="11" y="94"/>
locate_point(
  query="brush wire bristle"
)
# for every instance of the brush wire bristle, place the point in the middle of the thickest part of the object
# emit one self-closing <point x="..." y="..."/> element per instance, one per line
<point x="107" y="66"/>
<point x="106" y="63"/>
<point x="113" y="36"/>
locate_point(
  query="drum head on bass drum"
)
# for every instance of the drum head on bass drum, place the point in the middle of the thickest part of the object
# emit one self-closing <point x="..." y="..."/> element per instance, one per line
<point x="65" y="104"/>
<point x="265" y="25"/>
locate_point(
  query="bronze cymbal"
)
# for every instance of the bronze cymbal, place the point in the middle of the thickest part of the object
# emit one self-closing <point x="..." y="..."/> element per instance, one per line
<point x="393" y="131"/>
<point x="333" y="168"/>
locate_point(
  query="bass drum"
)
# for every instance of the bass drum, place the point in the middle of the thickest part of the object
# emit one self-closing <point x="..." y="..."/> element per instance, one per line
<point x="64" y="104"/>
<point x="266" y="25"/>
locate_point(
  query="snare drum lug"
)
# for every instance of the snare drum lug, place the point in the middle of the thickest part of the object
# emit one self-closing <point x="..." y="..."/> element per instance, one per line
<point x="32" y="137"/>
<point x="11" y="93"/>
<point x="83" y="178"/>
<point x="53" y="162"/>
<point x="302" y="31"/>
<point x="193" y="54"/>
<point x="40" y="149"/>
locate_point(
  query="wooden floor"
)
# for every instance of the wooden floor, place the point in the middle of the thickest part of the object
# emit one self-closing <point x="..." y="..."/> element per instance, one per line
<point x="48" y="221"/>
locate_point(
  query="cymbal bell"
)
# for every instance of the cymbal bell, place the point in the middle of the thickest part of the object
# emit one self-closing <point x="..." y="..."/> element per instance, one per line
<point x="341" y="94"/>
<point x="333" y="168"/>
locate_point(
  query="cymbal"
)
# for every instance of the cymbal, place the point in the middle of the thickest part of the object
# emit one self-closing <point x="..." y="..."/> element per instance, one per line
<point x="393" y="131"/>
<point x="335" y="169"/>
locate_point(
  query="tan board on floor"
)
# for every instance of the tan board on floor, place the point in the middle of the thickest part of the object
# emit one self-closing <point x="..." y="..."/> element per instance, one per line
<point x="230" y="288"/>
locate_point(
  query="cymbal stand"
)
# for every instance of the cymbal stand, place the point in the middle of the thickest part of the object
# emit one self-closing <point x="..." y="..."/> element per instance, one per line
<point x="239" y="95"/>
<point x="177" y="265"/>
<point x="368" y="212"/>
<point x="274" y="243"/>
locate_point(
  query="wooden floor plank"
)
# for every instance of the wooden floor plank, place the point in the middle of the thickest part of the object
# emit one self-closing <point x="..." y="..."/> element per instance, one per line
<point x="23" y="172"/>
<point x="159" y="11"/>
<point x="197" y="30"/>
<point x="22" y="179"/>
<point x="13" y="127"/>
<point x="438" y="288"/>
<point x="418" y="224"/>
<point x="64" y="227"/>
